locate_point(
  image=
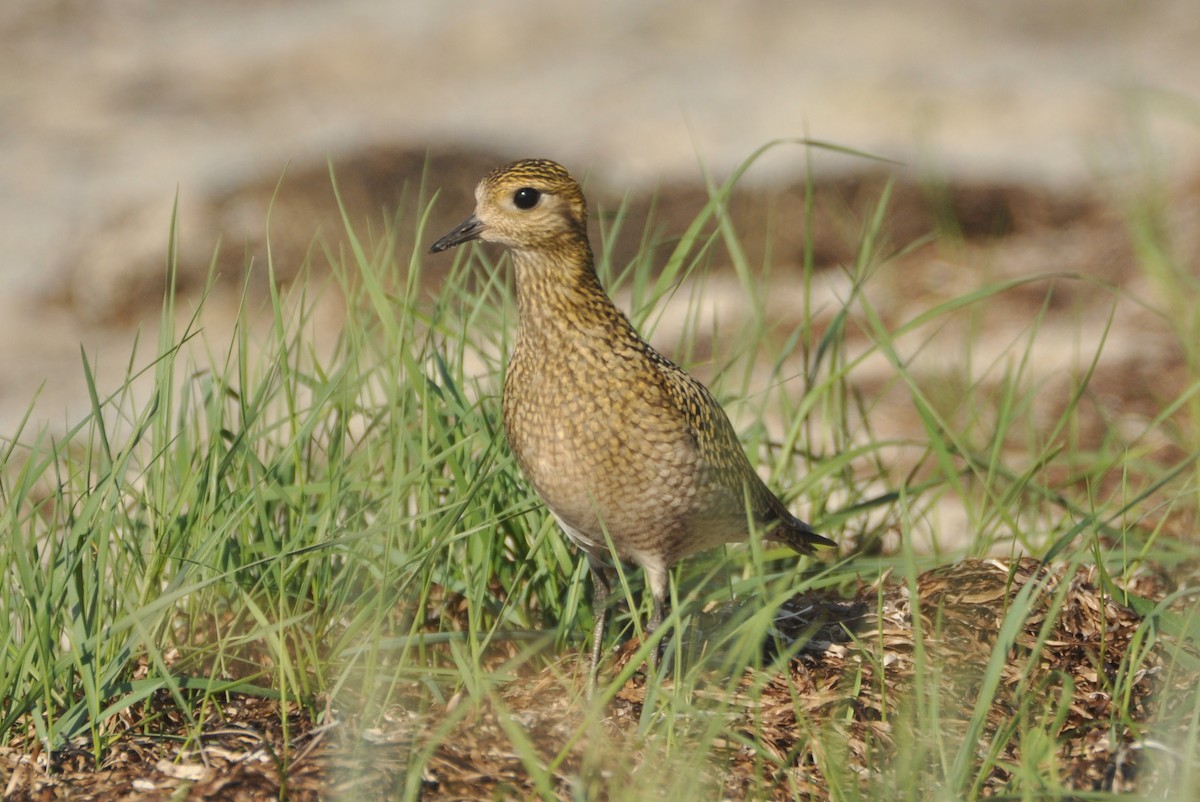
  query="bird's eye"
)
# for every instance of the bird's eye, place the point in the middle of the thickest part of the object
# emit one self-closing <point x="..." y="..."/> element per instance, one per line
<point x="526" y="198"/>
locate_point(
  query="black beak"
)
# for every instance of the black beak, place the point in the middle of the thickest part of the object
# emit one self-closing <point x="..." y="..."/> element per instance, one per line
<point x="466" y="231"/>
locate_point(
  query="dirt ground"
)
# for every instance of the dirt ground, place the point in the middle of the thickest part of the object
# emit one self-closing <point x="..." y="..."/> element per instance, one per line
<point x="241" y="751"/>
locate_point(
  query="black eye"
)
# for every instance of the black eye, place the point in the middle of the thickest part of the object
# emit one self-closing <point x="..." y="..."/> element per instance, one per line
<point x="526" y="198"/>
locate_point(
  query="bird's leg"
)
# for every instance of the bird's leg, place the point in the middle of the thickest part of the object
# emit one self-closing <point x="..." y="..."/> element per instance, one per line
<point x="658" y="580"/>
<point x="600" y="612"/>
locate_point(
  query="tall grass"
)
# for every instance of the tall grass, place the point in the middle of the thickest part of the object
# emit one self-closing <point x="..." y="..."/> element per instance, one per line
<point x="312" y="516"/>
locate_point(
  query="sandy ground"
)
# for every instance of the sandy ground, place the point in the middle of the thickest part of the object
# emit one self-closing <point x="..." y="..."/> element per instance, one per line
<point x="111" y="110"/>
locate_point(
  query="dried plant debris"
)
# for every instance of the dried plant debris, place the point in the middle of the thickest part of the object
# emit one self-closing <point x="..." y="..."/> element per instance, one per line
<point x="1069" y="696"/>
<point x="1048" y="677"/>
<point x="242" y="748"/>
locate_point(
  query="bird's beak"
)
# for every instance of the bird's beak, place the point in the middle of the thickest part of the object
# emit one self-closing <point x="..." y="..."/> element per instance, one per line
<point x="465" y="231"/>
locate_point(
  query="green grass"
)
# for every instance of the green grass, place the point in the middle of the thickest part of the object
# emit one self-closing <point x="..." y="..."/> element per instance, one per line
<point x="286" y="512"/>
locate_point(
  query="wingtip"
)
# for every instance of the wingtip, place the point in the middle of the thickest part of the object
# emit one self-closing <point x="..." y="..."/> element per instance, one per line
<point x="801" y="537"/>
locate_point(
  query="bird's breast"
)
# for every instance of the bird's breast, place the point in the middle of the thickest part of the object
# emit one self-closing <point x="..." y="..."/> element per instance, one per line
<point x="595" y="435"/>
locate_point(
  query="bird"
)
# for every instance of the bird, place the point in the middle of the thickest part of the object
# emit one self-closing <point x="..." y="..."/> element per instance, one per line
<point x="632" y="455"/>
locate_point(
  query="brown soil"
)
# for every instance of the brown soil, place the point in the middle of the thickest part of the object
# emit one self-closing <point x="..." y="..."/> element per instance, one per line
<point x="850" y="683"/>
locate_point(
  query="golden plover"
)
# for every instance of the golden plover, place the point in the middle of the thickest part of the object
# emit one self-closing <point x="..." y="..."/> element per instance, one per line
<point x="630" y="453"/>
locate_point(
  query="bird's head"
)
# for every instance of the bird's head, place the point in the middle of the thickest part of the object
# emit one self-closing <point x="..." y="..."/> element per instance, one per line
<point x="527" y="205"/>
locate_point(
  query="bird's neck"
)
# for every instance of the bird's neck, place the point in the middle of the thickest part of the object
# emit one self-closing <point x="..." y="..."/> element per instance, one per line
<point x="559" y="296"/>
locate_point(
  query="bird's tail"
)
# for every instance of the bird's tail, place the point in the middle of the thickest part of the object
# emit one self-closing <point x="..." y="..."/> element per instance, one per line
<point x="798" y="535"/>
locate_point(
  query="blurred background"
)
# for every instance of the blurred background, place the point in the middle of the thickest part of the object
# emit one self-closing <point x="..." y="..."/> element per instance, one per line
<point x="111" y="111"/>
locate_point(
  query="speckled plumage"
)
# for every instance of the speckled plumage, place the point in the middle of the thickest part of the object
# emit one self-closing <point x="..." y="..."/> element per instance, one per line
<point x="622" y="445"/>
